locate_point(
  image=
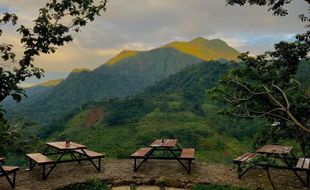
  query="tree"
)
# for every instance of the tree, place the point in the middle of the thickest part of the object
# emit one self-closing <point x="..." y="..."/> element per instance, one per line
<point x="266" y="85"/>
<point x="53" y="27"/>
<point x="277" y="6"/>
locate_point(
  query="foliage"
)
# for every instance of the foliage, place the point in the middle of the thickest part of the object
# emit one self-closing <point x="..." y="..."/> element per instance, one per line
<point x="159" y="112"/>
<point x="51" y="29"/>
<point x="216" y="187"/>
<point x="122" y="79"/>
<point x="277" y="6"/>
<point x="17" y="138"/>
<point x="129" y="111"/>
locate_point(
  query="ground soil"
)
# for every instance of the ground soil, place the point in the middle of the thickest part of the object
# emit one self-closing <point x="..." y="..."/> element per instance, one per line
<point x="94" y="115"/>
<point x="153" y="172"/>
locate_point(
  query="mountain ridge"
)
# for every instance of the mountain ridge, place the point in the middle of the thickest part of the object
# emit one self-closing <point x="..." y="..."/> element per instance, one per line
<point x="133" y="72"/>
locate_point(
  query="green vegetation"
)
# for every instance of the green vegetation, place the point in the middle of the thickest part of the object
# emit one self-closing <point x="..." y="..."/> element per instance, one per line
<point x="216" y="187"/>
<point x="121" y="79"/>
<point x="130" y="73"/>
<point x="168" y="109"/>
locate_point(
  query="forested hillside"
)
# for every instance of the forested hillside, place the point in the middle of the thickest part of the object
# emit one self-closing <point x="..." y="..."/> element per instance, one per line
<point x="126" y="74"/>
<point x="177" y="107"/>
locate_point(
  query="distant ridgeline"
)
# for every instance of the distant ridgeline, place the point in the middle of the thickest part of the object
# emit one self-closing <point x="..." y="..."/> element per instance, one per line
<point x="124" y="75"/>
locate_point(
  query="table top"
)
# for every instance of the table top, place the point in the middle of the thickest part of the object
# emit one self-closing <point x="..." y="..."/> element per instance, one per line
<point x="275" y="149"/>
<point x="164" y="143"/>
<point x="61" y="145"/>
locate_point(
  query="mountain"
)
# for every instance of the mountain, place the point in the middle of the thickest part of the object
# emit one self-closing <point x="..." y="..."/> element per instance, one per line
<point x="123" y="55"/>
<point x="126" y="74"/>
<point x="206" y="49"/>
<point x="176" y="107"/>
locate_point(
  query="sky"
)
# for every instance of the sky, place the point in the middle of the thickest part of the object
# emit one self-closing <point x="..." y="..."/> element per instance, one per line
<point x="147" y="24"/>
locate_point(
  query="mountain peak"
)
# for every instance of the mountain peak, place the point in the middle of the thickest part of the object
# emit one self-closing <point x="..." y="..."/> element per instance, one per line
<point x="122" y="55"/>
<point x="206" y="49"/>
<point x="199" y="40"/>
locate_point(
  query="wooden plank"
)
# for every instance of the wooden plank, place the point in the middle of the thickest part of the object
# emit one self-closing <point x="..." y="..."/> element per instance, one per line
<point x="246" y="157"/>
<point x="306" y="163"/>
<point x="300" y="163"/>
<point x="188" y="153"/>
<point x="166" y="143"/>
<point x="40" y="158"/>
<point x="61" y="145"/>
<point x="141" y="153"/>
<point x="10" y="168"/>
<point x="275" y="149"/>
<point x="90" y="153"/>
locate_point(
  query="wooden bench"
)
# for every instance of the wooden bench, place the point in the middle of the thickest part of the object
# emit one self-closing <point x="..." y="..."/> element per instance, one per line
<point x="243" y="159"/>
<point x="303" y="164"/>
<point x="187" y="154"/>
<point x="6" y="171"/>
<point x="41" y="160"/>
<point x="91" y="155"/>
<point x="142" y="153"/>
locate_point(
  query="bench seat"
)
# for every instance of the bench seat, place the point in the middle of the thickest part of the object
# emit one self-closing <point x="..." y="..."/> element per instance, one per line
<point x="245" y="157"/>
<point x="40" y="159"/>
<point x="90" y="153"/>
<point x="6" y="171"/>
<point x="188" y="154"/>
<point x="141" y="153"/>
<point x="10" y="169"/>
<point x="303" y="163"/>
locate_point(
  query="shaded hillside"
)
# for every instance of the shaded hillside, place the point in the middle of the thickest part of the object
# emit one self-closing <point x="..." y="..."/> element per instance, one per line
<point x="121" y="79"/>
<point x="126" y="74"/>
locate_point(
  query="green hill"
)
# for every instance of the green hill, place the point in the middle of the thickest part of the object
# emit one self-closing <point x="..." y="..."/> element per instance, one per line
<point x="127" y="73"/>
<point x="121" y="79"/>
<point x="177" y="107"/>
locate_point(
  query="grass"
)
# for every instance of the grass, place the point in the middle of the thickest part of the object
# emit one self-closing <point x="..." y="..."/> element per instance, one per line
<point x="122" y="140"/>
<point x="216" y="187"/>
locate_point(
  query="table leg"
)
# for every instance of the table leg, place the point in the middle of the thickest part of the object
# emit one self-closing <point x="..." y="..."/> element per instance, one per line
<point x="44" y="176"/>
<point x="176" y="157"/>
<point x="91" y="160"/>
<point x="11" y="182"/>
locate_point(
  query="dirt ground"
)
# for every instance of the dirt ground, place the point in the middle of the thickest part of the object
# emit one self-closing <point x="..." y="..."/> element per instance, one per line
<point x="153" y="172"/>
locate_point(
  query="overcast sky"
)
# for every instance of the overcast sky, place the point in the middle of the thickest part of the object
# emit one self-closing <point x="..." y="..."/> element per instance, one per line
<point x="147" y="24"/>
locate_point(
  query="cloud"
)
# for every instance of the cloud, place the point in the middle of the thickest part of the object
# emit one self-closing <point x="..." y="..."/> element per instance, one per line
<point x="145" y="24"/>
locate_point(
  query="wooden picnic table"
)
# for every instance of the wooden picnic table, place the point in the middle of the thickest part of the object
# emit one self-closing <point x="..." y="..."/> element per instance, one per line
<point x="7" y="170"/>
<point x="64" y="151"/>
<point x="275" y="149"/>
<point x="164" y="143"/>
<point x="164" y="149"/>
<point x="272" y="153"/>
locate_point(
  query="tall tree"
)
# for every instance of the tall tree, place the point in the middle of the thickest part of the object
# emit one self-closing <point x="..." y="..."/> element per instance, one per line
<point x="53" y="27"/>
<point x="266" y="85"/>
